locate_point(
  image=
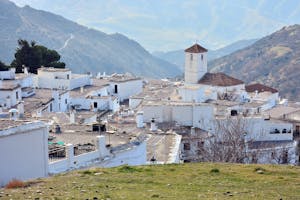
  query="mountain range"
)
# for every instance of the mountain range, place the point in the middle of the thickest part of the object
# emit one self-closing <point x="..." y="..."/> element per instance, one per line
<point x="81" y="48"/>
<point x="177" y="57"/>
<point x="273" y="60"/>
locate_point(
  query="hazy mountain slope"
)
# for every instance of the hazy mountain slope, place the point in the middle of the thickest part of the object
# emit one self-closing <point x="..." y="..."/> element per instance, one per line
<point x="81" y="48"/>
<point x="273" y="60"/>
<point x="177" y="57"/>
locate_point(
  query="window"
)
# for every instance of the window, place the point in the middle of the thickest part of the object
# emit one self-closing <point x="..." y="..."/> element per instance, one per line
<point x="273" y="155"/>
<point x="187" y="146"/>
<point x="50" y="107"/>
<point x="66" y="101"/>
<point x="191" y="56"/>
<point x="284" y="131"/>
<point x="95" y="104"/>
<point x="17" y="95"/>
<point x="274" y="131"/>
<point x="201" y="56"/>
<point x="233" y="113"/>
<point x="285" y="157"/>
<point x="68" y="76"/>
<point x="200" y="144"/>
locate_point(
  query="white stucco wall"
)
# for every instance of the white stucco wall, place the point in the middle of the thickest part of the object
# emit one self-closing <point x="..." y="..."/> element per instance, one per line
<point x="127" y="88"/>
<point x="12" y="96"/>
<point x="80" y="80"/>
<point x="135" y="155"/>
<point x="26" y="81"/>
<point x="9" y="74"/>
<point x="197" y="115"/>
<point x="134" y="102"/>
<point x="61" y="80"/>
<point x="258" y="129"/>
<point x="24" y="153"/>
<point x="195" y="67"/>
<point x="189" y="94"/>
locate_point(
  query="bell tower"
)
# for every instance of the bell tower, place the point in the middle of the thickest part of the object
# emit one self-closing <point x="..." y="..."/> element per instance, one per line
<point x="195" y="64"/>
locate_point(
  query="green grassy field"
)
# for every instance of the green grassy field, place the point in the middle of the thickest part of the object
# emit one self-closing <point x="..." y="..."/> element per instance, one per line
<point x="184" y="181"/>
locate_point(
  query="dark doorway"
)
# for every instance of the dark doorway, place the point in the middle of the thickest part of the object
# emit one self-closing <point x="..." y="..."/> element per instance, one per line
<point x="234" y="113"/>
<point x="95" y="104"/>
<point x="116" y="89"/>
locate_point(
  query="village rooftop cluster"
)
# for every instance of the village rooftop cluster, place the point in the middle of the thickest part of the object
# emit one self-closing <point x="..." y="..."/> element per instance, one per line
<point x="56" y="121"/>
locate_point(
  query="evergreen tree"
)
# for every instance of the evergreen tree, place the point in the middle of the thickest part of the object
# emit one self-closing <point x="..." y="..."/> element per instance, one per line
<point x="34" y="56"/>
<point x="3" y="66"/>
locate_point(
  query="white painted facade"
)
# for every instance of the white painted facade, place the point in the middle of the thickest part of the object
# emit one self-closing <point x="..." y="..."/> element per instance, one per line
<point x="53" y="78"/>
<point x="189" y="114"/>
<point x="195" y="67"/>
<point x="282" y="154"/>
<point x="8" y="75"/>
<point x="269" y="98"/>
<point x="10" y="97"/>
<point x="61" y="101"/>
<point x="124" y="89"/>
<point x="24" y="152"/>
<point x="102" y="157"/>
<point x="259" y="129"/>
<point x="135" y="102"/>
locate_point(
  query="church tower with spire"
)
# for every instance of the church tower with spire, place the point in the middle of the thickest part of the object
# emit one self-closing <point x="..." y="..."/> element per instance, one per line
<point x="195" y="63"/>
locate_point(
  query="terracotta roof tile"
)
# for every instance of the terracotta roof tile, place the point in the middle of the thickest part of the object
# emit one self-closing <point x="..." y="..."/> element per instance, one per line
<point x="196" y="48"/>
<point x="260" y="88"/>
<point x="219" y="79"/>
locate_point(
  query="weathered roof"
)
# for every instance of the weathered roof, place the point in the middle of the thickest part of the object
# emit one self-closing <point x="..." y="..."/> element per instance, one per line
<point x="52" y="69"/>
<point x="219" y="79"/>
<point x="9" y="85"/>
<point x="278" y="111"/>
<point x="196" y="48"/>
<point x="260" y="88"/>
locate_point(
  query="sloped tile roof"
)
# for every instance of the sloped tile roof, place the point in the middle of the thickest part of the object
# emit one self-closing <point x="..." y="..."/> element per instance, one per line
<point x="219" y="79"/>
<point x="196" y="48"/>
<point x="260" y="88"/>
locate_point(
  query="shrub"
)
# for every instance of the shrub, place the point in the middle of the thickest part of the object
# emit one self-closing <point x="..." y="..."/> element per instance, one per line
<point x="87" y="172"/>
<point x="259" y="170"/>
<point x="15" y="184"/>
<point x="128" y="169"/>
<point x="214" y="170"/>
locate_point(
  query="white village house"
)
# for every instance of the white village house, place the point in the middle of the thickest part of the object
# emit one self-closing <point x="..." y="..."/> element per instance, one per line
<point x="23" y="150"/>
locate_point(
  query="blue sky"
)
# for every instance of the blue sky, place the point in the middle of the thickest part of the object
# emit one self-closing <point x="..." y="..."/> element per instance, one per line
<point x="163" y="25"/>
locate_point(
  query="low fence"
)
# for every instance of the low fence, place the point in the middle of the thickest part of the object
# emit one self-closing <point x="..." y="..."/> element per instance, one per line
<point x="133" y="153"/>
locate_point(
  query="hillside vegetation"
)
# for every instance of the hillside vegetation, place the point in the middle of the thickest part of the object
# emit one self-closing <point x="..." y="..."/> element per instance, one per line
<point x="81" y="48"/>
<point x="185" y="181"/>
<point x="273" y="60"/>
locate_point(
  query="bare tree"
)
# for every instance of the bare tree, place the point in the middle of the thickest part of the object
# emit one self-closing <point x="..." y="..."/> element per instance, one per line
<point x="227" y="144"/>
<point x="281" y="156"/>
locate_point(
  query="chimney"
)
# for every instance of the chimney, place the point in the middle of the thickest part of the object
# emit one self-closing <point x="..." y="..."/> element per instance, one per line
<point x="193" y="131"/>
<point x="13" y="114"/>
<point x="72" y="117"/>
<point x="81" y="89"/>
<point x="140" y="119"/>
<point x="153" y="125"/>
<point x="13" y="70"/>
<point x="21" y="109"/>
<point x="26" y="70"/>
<point x="38" y="113"/>
<point x="8" y="102"/>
